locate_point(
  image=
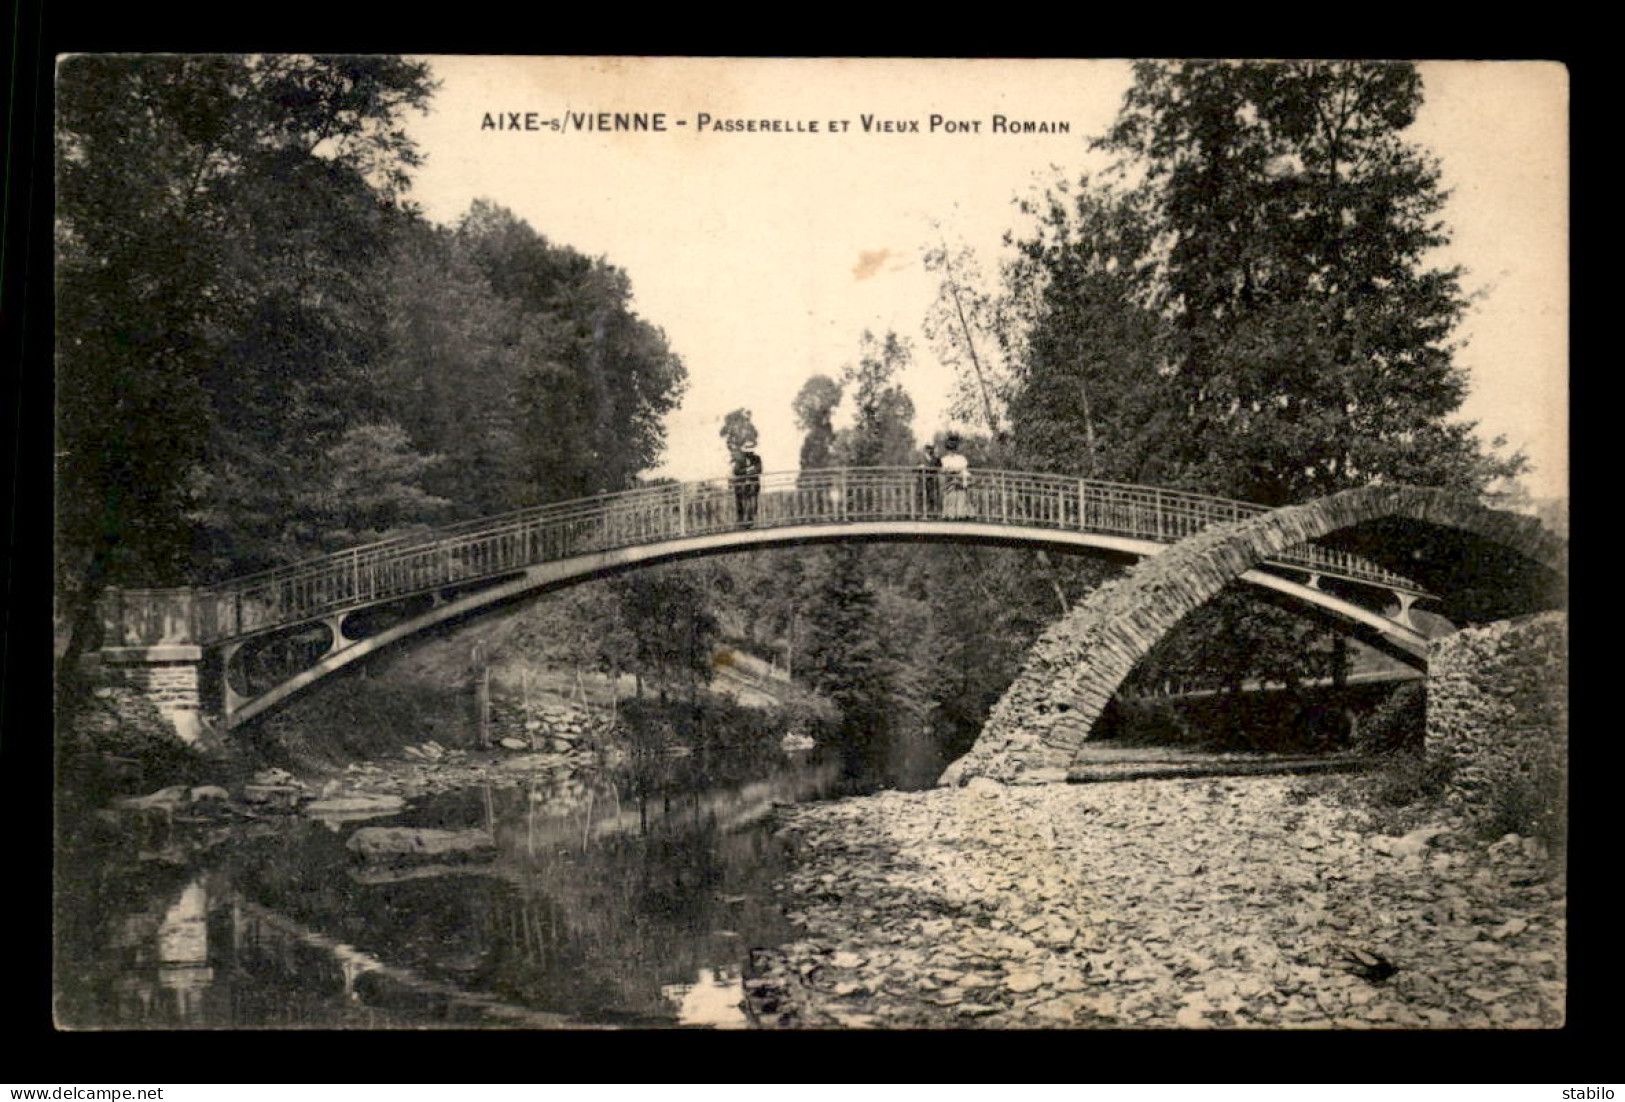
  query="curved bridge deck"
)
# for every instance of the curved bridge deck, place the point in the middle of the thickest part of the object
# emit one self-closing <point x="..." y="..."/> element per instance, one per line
<point x="1130" y="519"/>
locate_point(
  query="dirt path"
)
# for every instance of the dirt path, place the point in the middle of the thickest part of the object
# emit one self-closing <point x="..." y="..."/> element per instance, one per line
<point x="1240" y="902"/>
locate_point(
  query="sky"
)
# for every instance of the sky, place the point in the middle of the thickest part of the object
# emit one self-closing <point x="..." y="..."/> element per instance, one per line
<point x="764" y="253"/>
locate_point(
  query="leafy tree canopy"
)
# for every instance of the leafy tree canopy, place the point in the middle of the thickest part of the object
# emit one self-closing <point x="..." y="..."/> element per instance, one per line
<point x="738" y="431"/>
<point x="263" y="353"/>
<point x="217" y="220"/>
<point x="1307" y="336"/>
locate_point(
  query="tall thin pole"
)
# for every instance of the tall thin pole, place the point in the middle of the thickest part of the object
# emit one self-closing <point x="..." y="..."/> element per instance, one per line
<point x="481" y="676"/>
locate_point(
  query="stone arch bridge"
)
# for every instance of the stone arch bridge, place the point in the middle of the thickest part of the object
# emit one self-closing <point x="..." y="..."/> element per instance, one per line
<point x="241" y="648"/>
<point x="1037" y="728"/>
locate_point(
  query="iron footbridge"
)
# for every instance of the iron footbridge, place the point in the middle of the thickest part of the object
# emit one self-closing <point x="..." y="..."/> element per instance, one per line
<point x="337" y="608"/>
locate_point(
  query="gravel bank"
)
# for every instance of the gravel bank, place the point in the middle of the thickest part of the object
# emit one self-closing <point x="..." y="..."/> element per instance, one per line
<point x="1241" y="902"/>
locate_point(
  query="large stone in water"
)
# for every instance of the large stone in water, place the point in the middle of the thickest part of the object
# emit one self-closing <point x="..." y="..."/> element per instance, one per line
<point x="274" y="776"/>
<point x="411" y="844"/>
<point x="529" y="762"/>
<point x="285" y="796"/>
<point x="355" y="803"/>
<point x="165" y="799"/>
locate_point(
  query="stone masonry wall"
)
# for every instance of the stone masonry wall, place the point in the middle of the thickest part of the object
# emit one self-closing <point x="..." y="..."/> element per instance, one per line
<point x="169" y="684"/>
<point x="1498" y="705"/>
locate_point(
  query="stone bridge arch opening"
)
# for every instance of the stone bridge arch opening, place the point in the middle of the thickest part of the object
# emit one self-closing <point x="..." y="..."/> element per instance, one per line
<point x="1074" y="670"/>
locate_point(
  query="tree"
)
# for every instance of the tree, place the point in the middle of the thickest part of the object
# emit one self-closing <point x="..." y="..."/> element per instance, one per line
<point x="864" y="634"/>
<point x="738" y="431"/>
<point x="593" y="400"/>
<point x="374" y="489"/>
<point x="986" y="608"/>
<point x="669" y="614"/>
<point x="1089" y="395"/>
<point x="814" y="407"/>
<point x="881" y="434"/>
<point x="455" y="366"/>
<point x="1245" y="307"/>
<point x="973" y="331"/>
<point x="845" y="660"/>
<point x="1309" y="340"/>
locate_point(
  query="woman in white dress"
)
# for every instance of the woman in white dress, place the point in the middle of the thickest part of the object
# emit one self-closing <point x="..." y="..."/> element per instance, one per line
<point x="955" y="480"/>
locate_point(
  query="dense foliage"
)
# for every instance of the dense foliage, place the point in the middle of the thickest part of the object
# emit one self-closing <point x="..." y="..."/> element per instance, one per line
<point x="1307" y="336"/>
<point x="264" y="353"/>
<point x="1246" y="307"/>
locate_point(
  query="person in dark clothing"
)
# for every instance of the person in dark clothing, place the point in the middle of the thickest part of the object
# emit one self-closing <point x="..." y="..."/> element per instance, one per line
<point x="747" y="472"/>
<point x="931" y="481"/>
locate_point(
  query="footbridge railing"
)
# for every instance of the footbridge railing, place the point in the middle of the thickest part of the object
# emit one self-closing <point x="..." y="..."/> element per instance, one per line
<point x="490" y="547"/>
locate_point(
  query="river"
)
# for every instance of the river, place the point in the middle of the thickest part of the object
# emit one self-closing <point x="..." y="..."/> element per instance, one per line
<point x="624" y="899"/>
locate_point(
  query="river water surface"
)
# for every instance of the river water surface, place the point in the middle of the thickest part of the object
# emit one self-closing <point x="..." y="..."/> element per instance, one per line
<point x="611" y="900"/>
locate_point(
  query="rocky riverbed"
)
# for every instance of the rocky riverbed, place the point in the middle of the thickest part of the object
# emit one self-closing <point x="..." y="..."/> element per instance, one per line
<point x="1238" y="902"/>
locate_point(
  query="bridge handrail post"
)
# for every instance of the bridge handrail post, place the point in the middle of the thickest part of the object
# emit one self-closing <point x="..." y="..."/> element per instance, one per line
<point x="113" y="615"/>
<point x="682" y="508"/>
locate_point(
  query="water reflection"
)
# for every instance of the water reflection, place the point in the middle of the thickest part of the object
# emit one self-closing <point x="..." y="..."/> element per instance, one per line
<point x="630" y="899"/>
<point x="165" y="959"/>
<point x="711" y="1000"/>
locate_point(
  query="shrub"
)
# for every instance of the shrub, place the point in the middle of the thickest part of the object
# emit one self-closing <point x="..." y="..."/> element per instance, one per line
<point x="1146" y="722"/>
<point x="357" y="716"/>
<point x="115" y="742"/>
<point x="1407" y="778"/>
<point x="1399" y="723"/>
<point x="1532" y="802"/>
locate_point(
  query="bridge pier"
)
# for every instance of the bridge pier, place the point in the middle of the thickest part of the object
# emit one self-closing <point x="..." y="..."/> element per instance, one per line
<point x="167" y="676"/>
<point x="151" y="637"/>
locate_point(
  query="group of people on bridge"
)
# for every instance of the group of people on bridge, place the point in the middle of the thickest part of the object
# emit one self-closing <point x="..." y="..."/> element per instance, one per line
<point x="944" y="481"/>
